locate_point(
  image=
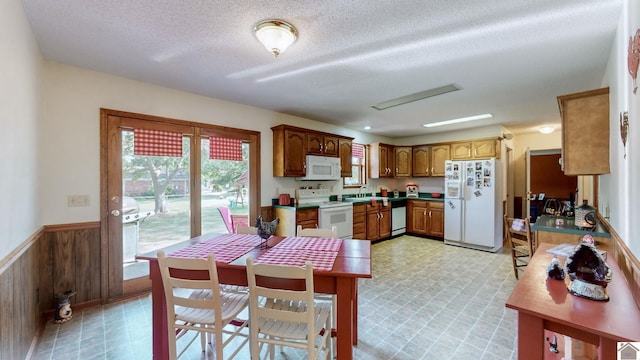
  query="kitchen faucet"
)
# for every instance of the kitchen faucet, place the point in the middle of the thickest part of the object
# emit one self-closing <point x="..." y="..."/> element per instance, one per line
<point x="360" y="193"/>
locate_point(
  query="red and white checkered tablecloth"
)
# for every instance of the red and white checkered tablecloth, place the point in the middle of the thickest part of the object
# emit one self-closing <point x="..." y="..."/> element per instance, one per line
<point x="238" y="239"/>
<point x="226" y="248"/>
<point x="320" y="260"/>
<point x="311" y="243"/>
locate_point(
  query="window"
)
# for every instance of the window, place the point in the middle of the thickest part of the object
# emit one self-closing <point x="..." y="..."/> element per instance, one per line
<point x="358" y="167"/>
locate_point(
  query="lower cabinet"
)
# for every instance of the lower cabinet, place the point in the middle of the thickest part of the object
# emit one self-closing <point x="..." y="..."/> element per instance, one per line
<point x="360" y="221"/>
<point x="425" y="217"/>
<point x="308" y="218"/>
<point x="378" y="221"/>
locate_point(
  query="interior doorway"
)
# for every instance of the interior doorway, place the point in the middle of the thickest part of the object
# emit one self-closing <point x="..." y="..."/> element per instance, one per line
<point x="548" y="185"/>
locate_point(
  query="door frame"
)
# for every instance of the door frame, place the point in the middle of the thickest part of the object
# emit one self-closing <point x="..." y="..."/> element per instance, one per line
<point x="112" y="285"/>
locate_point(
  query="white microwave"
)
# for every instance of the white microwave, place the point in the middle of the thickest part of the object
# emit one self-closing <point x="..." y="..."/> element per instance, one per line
<point x="322" y="168"/>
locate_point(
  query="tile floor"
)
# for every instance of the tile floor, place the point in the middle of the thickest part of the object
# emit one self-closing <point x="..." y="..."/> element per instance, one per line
<point x="426" y="300"/>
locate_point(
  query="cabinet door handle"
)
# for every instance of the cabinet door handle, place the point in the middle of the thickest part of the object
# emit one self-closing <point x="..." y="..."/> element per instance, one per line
<point x="321" y="146"/>
<point x="425" y="213"/>
<point x="469" y="152"/>
<point x="476" y="150"/>
<point x="304" y="165"/>
<point x="431" y="171"/>
<point x="381" y="216"/>
<point x="429" y="213"/>
<point x="397" y="170"/>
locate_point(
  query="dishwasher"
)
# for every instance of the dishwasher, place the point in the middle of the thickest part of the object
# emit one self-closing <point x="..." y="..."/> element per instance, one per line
<point x="398" y="217"/>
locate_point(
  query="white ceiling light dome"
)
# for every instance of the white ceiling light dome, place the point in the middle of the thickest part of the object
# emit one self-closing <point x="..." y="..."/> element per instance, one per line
<point x="275" y="35"/>
<point x="548" y="129"/>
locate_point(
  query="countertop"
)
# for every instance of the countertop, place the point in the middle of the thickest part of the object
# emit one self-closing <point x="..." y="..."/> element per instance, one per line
<point x="548" y="223"/>
<point x="362" y="200"/>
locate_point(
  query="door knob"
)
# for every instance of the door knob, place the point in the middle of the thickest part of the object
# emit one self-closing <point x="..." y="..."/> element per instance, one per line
<point x="115" y="213"/>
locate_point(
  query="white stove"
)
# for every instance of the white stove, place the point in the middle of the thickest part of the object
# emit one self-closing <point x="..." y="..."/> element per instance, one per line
<point x="319" y="197"/>
<point x="330" y="213"/>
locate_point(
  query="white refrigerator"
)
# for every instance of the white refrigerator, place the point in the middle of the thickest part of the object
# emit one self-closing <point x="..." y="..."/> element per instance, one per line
<point x="473" y="204"/>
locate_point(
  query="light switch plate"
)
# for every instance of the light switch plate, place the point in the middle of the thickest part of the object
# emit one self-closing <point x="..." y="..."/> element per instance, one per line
<point x="77" y="200"/>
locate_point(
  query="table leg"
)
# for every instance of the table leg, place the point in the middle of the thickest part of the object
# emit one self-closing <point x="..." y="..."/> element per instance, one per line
<point x="531" y="343"/>
<point x="355" y="311"/>
<point x="607" y="349"/>
<point x="344" y="327"/>
<point x="158" y="314"/>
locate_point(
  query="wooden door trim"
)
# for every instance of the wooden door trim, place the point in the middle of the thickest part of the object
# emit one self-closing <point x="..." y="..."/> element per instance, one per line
<point x="189" y="128"/>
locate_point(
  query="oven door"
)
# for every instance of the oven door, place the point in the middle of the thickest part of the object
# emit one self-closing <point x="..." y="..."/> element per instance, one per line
<point x="339" y="216"/>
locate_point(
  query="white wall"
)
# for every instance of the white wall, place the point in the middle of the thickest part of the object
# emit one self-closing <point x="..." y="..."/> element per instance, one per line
<point x="619" y="191"/>
<point x="71" y="152"/>
<point x="20" y="75"/>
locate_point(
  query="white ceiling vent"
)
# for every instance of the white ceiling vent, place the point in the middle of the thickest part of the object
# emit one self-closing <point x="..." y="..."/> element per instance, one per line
<point x="417" y="96"/>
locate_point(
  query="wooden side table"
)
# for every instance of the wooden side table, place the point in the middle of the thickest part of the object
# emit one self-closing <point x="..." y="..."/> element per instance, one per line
<point x="546" y="304"/>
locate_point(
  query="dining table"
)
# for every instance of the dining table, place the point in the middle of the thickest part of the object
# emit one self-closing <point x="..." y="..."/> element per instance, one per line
<point x="337" y="263"/>
<point x="544" y="304"/>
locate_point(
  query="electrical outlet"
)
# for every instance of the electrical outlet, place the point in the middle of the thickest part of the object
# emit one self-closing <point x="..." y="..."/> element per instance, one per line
<point x="77" y="200"/>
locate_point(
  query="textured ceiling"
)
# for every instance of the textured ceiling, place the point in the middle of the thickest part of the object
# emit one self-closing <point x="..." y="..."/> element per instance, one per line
<point x="511" y="57"/>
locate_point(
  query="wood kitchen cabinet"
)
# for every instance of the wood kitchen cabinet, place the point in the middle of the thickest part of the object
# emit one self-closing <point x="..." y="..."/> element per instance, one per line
<point x="402" y="160"/>
<point x="307" y="218"/>
<point x="291" y="145"/>
<point x="439" y="155"/>
<point x="478" y="149"/>
<point x="585" y="132"/>
<point x="381" y="161"/>
<point x="321" y="144"/>
<point x="289" y="155"/>
<point x="378" y="221"/>
<point x="360" y="221"/>
<point x="429" y="160"/>
<point x="345" y="146"/>
<point x="425" y="217"/>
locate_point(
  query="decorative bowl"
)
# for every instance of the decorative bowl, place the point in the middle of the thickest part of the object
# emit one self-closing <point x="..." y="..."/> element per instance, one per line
<point x="436" y="195"/>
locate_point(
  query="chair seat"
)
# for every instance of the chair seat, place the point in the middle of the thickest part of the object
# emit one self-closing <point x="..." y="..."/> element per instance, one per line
<point x="293" y="330"/>
<point x="232" y="305"/>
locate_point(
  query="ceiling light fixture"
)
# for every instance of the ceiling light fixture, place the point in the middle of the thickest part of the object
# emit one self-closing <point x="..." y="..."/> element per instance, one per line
<point x="455" y="121"/>
<point x="546" y="129"/>
<point x="275" y="35"/>
<point x="367" y="127"/>
<point x="417" y="96"/>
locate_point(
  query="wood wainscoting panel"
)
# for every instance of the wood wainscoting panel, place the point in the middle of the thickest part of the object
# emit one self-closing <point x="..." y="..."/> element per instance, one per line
<point x="628" y="263"/>
<point x="20" y="317"/>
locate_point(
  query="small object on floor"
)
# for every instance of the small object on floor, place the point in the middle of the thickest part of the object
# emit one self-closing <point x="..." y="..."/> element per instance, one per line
<point x="555" y="270"/>
<point x="63" y="311"/>
<point x="553" y="345"/>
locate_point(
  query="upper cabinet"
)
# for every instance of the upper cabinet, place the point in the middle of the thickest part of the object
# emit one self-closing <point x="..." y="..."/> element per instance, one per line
<point x="421" y="160"/>
<point x="479" y="149"/>
<point x="321" y="144"/>
<point x="381" y="161"/>
<point x="291" y="145"/>
<point x="403" y="161"/>
<point x="585" y="132"/>
<point x="439" y="155"/>
<point x="429" y="160"/>
<point x="345" y="146"/>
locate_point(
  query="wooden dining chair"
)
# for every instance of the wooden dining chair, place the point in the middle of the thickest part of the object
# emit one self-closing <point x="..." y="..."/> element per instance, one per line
<point x="323" y="233"/>
<point x="201" y="306"/>
<point x="315" y="232"/>
<point x="286" y="317"/>
<point x="520" y="242"/>
<point x="245" y="229"/>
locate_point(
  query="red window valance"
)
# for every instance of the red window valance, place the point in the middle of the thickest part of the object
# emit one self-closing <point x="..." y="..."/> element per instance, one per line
<point x="157" y="143"/>
<point x="357" y="150"/>
<point x="225" y="149"/>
